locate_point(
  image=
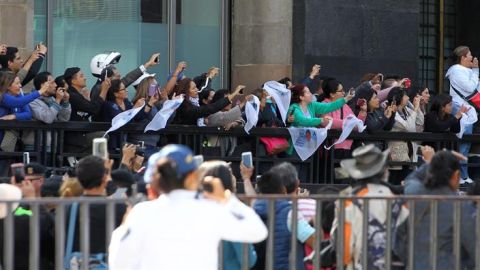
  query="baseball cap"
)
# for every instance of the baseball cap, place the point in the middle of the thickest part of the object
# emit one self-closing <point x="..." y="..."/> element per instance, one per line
<point x="180" y="155"/>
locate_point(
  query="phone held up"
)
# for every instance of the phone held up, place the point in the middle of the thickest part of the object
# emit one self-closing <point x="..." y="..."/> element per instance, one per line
<point x="247" y="159"/>
<point x="100" y="148"/>
<point x="18" y="172"/>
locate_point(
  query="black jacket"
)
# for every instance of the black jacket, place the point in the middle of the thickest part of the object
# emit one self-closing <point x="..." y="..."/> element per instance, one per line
<point x="82" y="108"/>
<point x="377" y="121"/>
<point x="434" y="124"/>
<point x="187" y="113"/>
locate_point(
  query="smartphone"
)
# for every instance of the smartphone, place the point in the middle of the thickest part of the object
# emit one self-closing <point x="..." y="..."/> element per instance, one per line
<point x="247" y="159"/>
<point x="152" y="90"/>
<point x="100" y="148"/>
<point x="18" y="171"/>
<point x="156" y="59"/>
<point x="351" y="91"/>
<point x="407" y="83"/>
<point x="380" y="77"/>
<point x="198" y="160"/>
<point x="140" y="149"/>
<point x="26" y="157"/>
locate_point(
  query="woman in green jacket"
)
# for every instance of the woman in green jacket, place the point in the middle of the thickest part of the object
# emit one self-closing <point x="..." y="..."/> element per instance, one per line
<point x="306" y="112"/>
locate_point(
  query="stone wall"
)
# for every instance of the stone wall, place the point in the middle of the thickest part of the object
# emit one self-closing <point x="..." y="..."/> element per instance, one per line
<point x="261" y="41"/>
<point x="16" y="24"/>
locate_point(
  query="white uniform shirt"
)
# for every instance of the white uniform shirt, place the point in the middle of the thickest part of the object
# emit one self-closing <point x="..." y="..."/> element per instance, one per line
<point x="177" y="231"/>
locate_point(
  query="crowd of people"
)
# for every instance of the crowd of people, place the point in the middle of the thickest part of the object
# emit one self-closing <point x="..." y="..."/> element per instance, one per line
<point x="195" y="204"/>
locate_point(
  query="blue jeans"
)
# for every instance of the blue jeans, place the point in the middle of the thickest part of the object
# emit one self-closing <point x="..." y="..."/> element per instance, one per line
<point x="464" y="148"/>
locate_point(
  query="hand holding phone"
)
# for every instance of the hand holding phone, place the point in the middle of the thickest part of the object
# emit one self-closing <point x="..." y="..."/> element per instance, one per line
<point x="247" y="159"/>
<point x="18" y="172"/>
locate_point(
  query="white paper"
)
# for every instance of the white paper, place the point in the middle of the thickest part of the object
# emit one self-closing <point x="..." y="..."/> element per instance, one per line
<point x="468" y="118"/>
<point x="252" y="108"/>
<point x="160" y="119"/>
<point x="307" y="140"/>
<point x="349" y="123"/>
<point x="281" y="95"/>
<point x="123" y="118"/>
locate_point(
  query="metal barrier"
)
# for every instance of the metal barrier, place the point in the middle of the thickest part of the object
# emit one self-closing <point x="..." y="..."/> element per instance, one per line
<point x="319" y="168"/>
<point x="413" y="202"/>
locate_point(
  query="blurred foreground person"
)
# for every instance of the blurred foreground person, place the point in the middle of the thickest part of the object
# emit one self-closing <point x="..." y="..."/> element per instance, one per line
<point x="180" y="229"/>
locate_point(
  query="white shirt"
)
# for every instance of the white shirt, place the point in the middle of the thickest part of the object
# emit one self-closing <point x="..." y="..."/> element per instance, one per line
<point x="177" y="231"/>
<point x="465" y="80"/>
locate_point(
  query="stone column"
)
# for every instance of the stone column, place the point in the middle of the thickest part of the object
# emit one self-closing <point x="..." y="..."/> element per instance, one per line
<point x="16" y="24"/>
<point x="261" y="41"/>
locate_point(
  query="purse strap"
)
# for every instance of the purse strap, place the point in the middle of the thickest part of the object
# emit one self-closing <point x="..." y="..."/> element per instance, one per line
<point x="71" y="231"/>
<point x="466" y="98"/>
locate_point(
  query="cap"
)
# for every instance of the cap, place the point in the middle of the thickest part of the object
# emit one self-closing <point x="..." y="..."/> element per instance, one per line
<point x="140" y="79"/>
<point x="101" y="61"/>
<point x="34" y="168"/>
<point x="180" y="155"/>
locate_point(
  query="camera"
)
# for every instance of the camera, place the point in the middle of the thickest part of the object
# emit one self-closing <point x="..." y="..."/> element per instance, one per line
<point x="140" y="149"/>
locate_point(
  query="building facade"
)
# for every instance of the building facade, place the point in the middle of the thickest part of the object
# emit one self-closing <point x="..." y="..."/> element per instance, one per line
<point x="252" y="41"/>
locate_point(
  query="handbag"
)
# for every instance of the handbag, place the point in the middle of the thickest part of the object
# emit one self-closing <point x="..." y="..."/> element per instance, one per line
<point x="473" y="99"/>
<point x="9" y="141"/>
<point x="275" y="145"/>
<point x="73" y="260"/>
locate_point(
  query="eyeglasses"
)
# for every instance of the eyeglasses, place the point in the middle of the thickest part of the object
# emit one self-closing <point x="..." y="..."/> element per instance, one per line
<point x="122" y="89"/>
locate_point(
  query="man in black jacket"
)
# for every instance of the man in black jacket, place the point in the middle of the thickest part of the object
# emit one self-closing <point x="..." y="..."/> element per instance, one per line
<point x="82" y="108"/>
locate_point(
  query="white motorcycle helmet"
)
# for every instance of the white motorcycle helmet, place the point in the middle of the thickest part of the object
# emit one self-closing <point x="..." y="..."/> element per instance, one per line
<point x="101" y="61"/>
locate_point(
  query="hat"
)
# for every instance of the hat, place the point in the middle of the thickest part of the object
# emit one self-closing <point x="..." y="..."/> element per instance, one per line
<point x="367" y="161"/>
<point x="9" y="193"/>
<point x="69" y="72"/>
<point x="180" y="155"/>
<point x="140" y="79"/>
<point x="34" y="168"/>
<point x="101" y="61"/>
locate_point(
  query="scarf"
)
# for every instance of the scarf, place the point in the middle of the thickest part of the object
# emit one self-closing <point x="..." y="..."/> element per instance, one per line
<point x="196" y="102"/>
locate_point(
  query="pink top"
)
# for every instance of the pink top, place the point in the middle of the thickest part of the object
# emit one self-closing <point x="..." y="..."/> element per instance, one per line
<point x="338" y="122"/>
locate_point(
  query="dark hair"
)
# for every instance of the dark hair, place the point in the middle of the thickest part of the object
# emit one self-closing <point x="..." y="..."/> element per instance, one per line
<point x="459" y="52"/>
<point x="297" y="92"/>
<point x="220" y="170"/>
<point x="330" y="86"/>
<point x="219" y="94"/>
<point x="114" y="88"/>
<point x="288" y="173"/>
<point x="183" y="86"/>
<point x="168" y="177"/>
<point x="396" y="94"/>
<point x="269" y="183"/>
<point x="9" y="56"/>
<point x="60" y="81"/>
<point x="439" y="102"/>
<point x="442" y="167"/>
<point x="122" y="178"/>
<point x="204" y="95"/>
<point x="412" y="92"/>
<point x="367" y="77"/>
<point x="90" y="171"/>
<point x="285" y="81"/>
<point x="40" y="79"/>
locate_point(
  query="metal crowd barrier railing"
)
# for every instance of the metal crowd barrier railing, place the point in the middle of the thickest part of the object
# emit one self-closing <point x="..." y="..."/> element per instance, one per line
<point x="319" y="168"/>
<point x="412" y="201"/>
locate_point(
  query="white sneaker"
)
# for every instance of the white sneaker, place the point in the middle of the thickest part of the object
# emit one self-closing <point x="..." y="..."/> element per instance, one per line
<point x="466" y="181"/>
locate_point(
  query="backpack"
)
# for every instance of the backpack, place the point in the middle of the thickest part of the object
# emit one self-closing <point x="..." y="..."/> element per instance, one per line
<point x="74" y="260"/>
